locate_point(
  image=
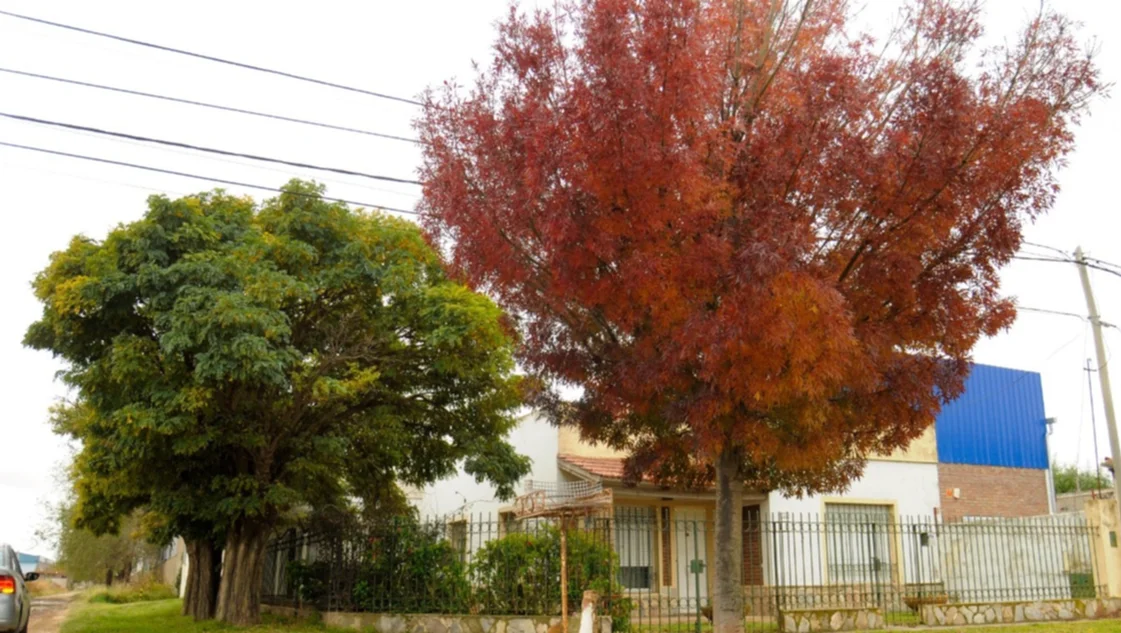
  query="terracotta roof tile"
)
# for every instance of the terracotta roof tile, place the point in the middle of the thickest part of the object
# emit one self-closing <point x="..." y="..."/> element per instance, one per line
<point x="605" y="467"/>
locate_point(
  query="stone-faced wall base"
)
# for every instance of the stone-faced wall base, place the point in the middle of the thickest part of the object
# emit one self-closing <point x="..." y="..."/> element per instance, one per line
<point x="830" y="619"/>
<point x="419" y="623"/>
<point x="1020" y="611"/>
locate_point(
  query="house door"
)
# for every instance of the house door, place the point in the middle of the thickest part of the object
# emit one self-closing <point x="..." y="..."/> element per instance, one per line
<point x="692" y="558"/>
<point x="752" y="546"/>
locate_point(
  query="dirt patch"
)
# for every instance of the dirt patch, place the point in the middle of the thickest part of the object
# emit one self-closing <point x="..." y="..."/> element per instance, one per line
<point x="48" y="612"/>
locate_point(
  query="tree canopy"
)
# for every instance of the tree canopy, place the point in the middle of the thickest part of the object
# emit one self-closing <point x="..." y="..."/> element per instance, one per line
<point x="762" y="243"/>
<point x="1071" y="478"/>
<point x="234" y="361"/>
<point x="88" y="557"/>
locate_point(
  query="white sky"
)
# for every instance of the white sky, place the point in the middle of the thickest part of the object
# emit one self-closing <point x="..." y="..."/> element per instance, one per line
<point x="397" y="48"/>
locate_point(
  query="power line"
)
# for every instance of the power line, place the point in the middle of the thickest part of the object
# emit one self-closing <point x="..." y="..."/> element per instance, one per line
<point x="1103" y="262"/>
<point x="211" y="150"/>
<point x="214" y="106"/>
<point x="1061" y="313"/>
<point x="1055" y="312"/>
<point x="1050" y="248"/>
<point x="211" y="58"/>
<point x="222" y="181"/>
<point x="328" y="179"/>
<point x="1097" y="266"/>
<point x="1067" y="256"/>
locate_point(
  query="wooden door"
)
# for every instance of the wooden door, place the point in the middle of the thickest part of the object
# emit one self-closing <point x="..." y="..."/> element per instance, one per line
<point x="752" y="546"/>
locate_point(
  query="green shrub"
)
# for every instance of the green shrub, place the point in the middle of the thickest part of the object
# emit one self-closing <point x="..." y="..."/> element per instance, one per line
<point x="519" y="574"/>
<point x="402" y="567"/>
<point x="412" y="569"/>
<point x="309" y="580"/>
<point x="142" y="592"/>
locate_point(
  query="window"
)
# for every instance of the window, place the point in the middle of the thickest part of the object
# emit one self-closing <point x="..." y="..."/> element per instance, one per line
<point x="508" y="523"/>
<point x="667" y="548"/>
<point x="457" y="534"/>
<point x="635" y="536"/>
<point x="859" y="543"/>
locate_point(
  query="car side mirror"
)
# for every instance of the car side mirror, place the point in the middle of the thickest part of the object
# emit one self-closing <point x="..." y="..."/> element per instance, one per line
<point x="30" y="576"/>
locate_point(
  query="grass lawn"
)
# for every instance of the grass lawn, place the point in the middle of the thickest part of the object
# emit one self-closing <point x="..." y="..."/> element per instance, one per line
<point x="161" y="616"/>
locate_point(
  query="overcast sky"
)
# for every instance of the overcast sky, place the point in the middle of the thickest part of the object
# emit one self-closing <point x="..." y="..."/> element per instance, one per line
<point x="396" y="48"/>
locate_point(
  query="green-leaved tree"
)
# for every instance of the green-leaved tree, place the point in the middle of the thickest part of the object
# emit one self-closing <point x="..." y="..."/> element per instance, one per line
<point x="1070" y="478"/>
<point x="271" y="357"/>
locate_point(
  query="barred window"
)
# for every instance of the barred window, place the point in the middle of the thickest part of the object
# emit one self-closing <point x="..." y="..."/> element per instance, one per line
<point x="859" y="543"/>
<point x="635" y="538"/>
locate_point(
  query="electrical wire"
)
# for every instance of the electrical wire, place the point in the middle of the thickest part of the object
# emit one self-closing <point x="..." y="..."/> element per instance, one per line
<point x="1087" y="264"/>
<point x="1081" y="411"/>
<point x="222" y="181"/>
<point x="211" y="58"/>
<point x="211" y="150"/>
<point x="214" y="106"/>
<point x="1067" y="257"/>
<point x="365" y="185"/>
<point x="1044" y="246"/>
<point x="1046" y="311"/>
<point x="1061" y="313"/>
<point x="1103" y="262"/>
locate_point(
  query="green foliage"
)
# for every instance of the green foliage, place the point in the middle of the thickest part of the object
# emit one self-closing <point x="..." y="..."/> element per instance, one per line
<point x="141" y="592"/>
<point x="309" y="581"/>
<point x="413" y="568"/>
<point x="234" y="361"/>
<point x="403" y="567"/>
<point x="1070" y="478"/>
<point x="520" y="573"/>
<point x="87" y="557"/>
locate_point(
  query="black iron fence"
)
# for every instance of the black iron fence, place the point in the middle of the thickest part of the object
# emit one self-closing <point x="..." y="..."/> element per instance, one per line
<point x="653" y="565"/>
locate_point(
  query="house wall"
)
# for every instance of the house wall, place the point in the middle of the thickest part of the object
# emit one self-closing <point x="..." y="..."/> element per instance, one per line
<point x="923" y="449"/>
<point x="999" y="420"/>
<point x="569" y="443"/>
<point x="992" y="491"/>
<point x="912" y="488"/>
<point x="169" y="569"/>
<point x="534" y="437"/>
<point x="798" y="549"/>
<point x="1025" y="557"/>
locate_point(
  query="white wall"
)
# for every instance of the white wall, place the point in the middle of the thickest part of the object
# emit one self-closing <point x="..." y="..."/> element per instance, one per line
<point x="912" y="487"/>
<point x="800" y="540"/>
<point x="534" y="437"/>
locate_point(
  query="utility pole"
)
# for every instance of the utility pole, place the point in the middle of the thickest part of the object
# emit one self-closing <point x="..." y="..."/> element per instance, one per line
<point x="1103" y="369"/>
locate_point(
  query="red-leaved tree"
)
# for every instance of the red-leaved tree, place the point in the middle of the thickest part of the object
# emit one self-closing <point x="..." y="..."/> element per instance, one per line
<point x="763" y="246"/>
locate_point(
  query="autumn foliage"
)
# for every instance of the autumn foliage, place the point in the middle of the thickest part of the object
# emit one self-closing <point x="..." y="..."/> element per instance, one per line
<point x="754" y="237"/>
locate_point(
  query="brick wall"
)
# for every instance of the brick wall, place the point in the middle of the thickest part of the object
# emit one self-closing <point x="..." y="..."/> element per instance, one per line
<point x="992" y="491"/>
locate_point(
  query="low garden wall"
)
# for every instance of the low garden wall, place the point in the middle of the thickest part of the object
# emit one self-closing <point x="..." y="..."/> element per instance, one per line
<point x="1020" y="611"/>
<point x="830" y="619"/>
<point x="420" y="623"/>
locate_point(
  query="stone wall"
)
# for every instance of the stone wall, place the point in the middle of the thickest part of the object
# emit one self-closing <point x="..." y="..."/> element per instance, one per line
<point x="419" y="623"/>
<point x="1008" y="612"/>
<point x="813" y="620"/>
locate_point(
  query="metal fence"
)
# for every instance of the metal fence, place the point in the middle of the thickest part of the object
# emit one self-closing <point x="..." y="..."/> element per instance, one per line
<point x="653" y="565"/>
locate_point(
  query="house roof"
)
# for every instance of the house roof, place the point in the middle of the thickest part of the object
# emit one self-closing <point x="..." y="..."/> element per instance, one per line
<point x="594" y="467"/>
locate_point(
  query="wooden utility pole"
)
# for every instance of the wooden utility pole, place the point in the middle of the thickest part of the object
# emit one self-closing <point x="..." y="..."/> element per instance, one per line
<point x="1103" y="368"/>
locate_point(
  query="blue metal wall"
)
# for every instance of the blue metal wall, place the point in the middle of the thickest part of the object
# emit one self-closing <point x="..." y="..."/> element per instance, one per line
<point x="998" y="421"/>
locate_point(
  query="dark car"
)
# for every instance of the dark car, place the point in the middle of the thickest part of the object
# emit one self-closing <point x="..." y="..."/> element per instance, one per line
<point x="15" y="603"/>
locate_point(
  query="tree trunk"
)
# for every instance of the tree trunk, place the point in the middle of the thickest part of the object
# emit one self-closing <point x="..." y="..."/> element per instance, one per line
<point x="203" y="570"/>
<point x="239" y="593"/>
<point x="109" y="577"/>
<point x="727" y="612"/>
